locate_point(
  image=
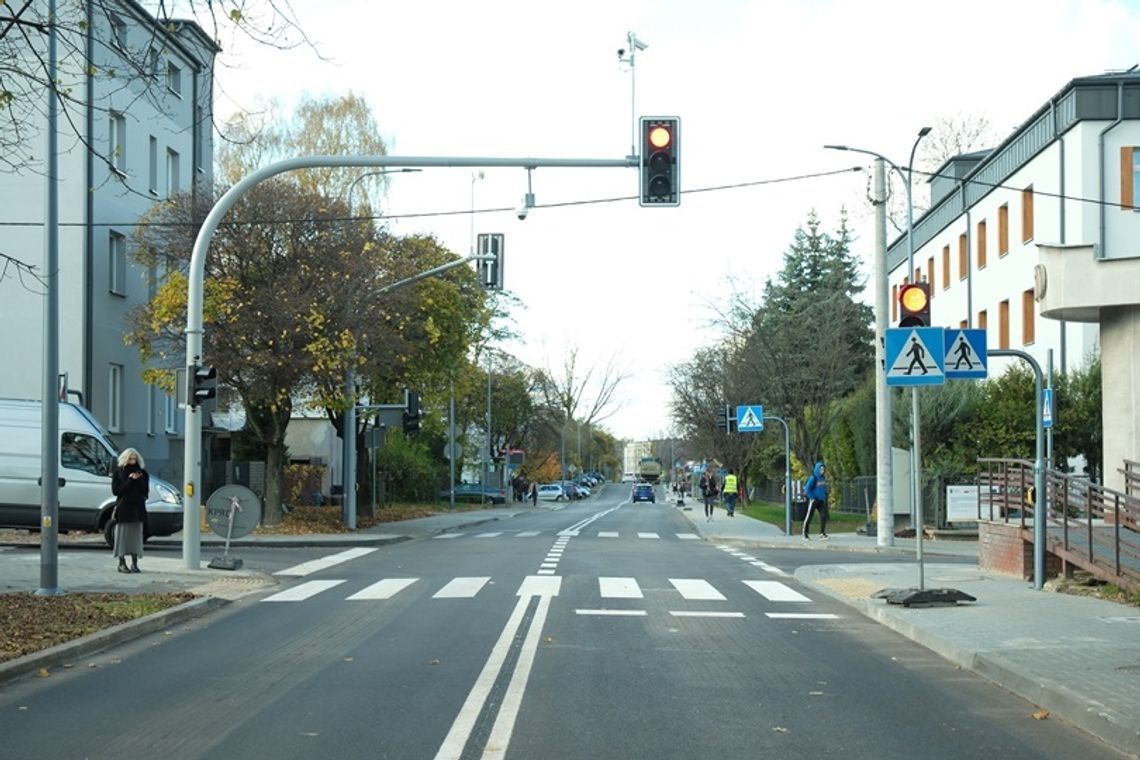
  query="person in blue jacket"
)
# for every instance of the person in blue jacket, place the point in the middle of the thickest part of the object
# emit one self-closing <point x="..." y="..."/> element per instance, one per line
<point x="815" y="489"/>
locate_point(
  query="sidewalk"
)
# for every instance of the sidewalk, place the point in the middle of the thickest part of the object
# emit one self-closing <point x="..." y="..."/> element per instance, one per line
<point x="1076" y="656"/>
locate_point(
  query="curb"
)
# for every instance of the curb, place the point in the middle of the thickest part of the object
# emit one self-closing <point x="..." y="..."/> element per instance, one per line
<point x="1093" y="718"/>
<point x="105" y="639"/>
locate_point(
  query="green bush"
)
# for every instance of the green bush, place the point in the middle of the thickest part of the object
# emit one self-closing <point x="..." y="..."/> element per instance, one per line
<point x="409" y="471"/>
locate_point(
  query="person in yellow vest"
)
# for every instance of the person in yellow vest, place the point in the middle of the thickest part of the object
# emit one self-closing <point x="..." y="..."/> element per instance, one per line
<point x="730" y="492"/>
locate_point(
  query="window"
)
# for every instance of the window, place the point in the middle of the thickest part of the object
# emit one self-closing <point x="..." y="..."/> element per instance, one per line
<point x="152" y="63"/>
<point x="173" y="172"/>
<point x="930" y="274"/>
<point x="1003" y="324"/>
<point x="117" y="142"/>
<point x="118" y="33"/>
<point x="1028" y="323"/>
<point x="1129" y="176"/>
<point x="962" y="324"/>
<point x="963" y="257"/>
<point x="117" y="264"/>
<point x="1003" y="230"/>
<point x="174" y="78"/>
<point x="945" y="267"/>
<point x="982" y="320"/>
<point x="152" y="164"/>
<point x="982" y="244"/>
<point x="171" y="414"/>
<point x="84" y="452"/>
<point x="115" y="398"/>
<point x="1027" y="214"/>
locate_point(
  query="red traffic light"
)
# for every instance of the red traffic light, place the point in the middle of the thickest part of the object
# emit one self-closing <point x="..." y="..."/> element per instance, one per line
<point x="659" y="165"/>
<point x="914" y="305"/>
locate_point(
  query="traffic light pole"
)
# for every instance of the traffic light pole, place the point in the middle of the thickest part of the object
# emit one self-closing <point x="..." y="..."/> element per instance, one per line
<point x="192" y="453"/>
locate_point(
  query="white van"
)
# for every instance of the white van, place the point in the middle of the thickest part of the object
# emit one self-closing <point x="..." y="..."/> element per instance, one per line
<point x="86" y="461"/>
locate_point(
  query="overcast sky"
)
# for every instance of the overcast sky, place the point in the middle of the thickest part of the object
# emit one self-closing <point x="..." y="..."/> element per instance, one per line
<point x="760" y="87"/>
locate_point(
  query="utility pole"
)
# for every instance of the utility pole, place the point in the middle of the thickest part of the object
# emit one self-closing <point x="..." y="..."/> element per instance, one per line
<point x="884" y="499"/>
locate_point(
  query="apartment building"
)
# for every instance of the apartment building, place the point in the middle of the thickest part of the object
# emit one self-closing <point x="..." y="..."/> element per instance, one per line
<point x="1068" y="176"/>
<point x="134" y="128"/>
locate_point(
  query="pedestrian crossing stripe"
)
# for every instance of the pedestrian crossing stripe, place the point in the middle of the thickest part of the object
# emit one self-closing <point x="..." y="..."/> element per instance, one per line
<point x="910" y="359"/>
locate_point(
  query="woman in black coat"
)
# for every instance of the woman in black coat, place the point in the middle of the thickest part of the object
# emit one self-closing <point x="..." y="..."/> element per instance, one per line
<point x="131" y="483"/>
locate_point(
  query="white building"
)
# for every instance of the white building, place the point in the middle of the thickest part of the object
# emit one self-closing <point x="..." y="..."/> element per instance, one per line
<point x="1068" y="180"/>
<point x="134" y="128"/>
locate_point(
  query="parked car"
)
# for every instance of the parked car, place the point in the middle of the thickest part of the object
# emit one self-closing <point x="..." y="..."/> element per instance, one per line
<point x="475" y="493"/>
<point x="643" y="492"/>
<point x="551" y="492"/>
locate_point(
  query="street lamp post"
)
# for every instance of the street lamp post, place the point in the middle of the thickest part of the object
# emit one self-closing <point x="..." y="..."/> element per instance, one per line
<point x="883" y="397"/>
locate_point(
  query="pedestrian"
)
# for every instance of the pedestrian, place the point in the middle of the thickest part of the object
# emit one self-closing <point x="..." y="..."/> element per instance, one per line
<point x="534" y="494"/>
<point x="815" y="489"/>
<point x="730" y="492"/>
<point x="131" y="484"/>
<point x="708" y="493"/>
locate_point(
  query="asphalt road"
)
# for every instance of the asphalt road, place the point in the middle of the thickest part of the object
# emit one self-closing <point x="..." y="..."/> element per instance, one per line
<point x="602" y="630"/>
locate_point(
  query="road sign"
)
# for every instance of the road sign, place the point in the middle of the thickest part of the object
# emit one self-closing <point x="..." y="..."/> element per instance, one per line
<point x="750" y="419"/>
<point x="914" y="356"/>
<point x="965" y="354"/>
<point x="1047" y="408"/>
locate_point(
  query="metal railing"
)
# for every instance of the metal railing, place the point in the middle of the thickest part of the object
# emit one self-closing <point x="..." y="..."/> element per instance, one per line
<point x="1086" y="524"/>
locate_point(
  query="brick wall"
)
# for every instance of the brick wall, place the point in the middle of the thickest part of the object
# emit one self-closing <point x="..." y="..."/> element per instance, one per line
<point x="1002" y="548"/>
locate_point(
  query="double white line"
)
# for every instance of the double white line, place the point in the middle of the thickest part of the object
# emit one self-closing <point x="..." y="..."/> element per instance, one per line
<point x="544" y="587"/>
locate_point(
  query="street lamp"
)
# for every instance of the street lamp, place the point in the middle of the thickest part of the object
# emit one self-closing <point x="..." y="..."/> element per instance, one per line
<point x="378" y="172"/>
<point x="882" y="392"/>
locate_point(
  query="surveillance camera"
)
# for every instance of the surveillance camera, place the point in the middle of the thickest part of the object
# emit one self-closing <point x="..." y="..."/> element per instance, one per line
<point x="522" y="211"/>
<point x="621" y="52"/>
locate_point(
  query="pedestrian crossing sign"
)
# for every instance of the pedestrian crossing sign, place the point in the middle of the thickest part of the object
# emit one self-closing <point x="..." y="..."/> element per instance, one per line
<point x="965" y="354"/>
<point x="750" y="419"/>
<point x="914" y="356"/>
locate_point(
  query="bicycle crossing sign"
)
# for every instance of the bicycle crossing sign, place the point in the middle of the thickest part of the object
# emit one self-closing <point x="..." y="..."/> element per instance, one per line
<point x="915" y="356"/>
<point x="965" y="354"/>
<point x="750" y="419"/>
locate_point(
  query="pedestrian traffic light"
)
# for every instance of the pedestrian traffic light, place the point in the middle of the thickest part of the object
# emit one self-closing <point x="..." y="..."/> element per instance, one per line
<point x="660" y="161"/>
<point x="914" y="305"/>
<point x="411" y="411"/>
<point x="202" y="384"/>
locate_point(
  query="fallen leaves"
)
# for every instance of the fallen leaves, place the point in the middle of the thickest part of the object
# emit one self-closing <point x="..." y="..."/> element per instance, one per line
<point x="1041" y="714"/>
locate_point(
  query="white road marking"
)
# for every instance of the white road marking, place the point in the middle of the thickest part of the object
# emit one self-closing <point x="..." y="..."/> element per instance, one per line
<point x="688" y="536"/>
<point x="385" y="589"/>
<point x="770" y="569"/>
<point x="647" y="535"/>
<point x="619" y="588"/>
<point x="532" y="586"/>
<point x="489" y="535"/>
<point x="448" y="535"/>
<point x="500" y="737"/>
<point x="548" y="565"/>
<point x="546" y="572"/>
<point x="698" y="614"/>
<point x="313" y="565"/>
<point x="613" y="613"/>
<point x="302" y="592"/>
<point x="526" y="533"/>
<point x="607" y="534"/>
<point x="461" y="588"/>
<point x="801" y="615"/>
<point x="775" y="591"/>
<point x="694" y="588"/>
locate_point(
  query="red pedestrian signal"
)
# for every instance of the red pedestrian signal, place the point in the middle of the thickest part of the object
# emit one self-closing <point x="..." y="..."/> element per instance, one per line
<point x="659" y="166"/>
<point x="914" y="305"/>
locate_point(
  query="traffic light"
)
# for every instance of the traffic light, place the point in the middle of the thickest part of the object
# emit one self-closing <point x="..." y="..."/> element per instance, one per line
<point x="914" y="305"/>
<point x="411" y="411"/>
<point x="202" y="385"/>
<point x="660" y="163"/>
<point x="727" y="420"/>
<point x="491" y="269"/>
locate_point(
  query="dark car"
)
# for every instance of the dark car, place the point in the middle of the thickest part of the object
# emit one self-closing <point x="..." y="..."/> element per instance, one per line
<point x="644" y="492"/>
<point x="475" y="493"/>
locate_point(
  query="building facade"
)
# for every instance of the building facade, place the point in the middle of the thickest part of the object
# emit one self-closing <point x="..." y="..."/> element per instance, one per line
<point x="134" y="127"/>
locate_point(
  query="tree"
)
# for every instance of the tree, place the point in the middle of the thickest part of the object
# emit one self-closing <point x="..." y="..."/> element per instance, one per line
<point x="583" y="395"/>
<point x="274" y="280"/>
<point x="809" y="342"/>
